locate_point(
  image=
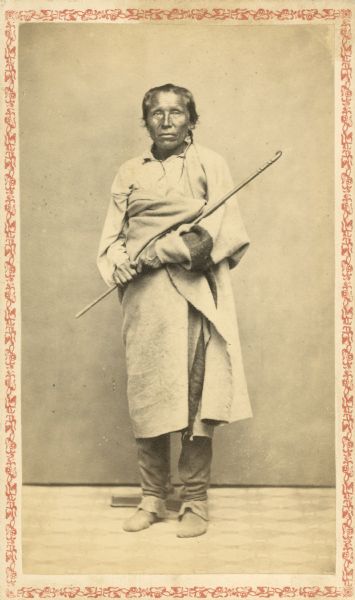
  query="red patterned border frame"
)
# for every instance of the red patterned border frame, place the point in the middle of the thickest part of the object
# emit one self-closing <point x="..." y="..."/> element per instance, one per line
<point x="156" y="14"/>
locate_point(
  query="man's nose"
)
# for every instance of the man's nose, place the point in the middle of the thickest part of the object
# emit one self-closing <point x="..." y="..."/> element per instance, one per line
<point x="166" y="120"/>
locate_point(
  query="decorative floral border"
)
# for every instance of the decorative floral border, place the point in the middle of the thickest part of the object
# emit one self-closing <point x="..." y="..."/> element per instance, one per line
<point x="12" y="17"/>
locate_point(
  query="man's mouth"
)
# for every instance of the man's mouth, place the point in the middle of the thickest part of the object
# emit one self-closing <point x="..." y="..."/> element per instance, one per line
<point x="167" y="135"/>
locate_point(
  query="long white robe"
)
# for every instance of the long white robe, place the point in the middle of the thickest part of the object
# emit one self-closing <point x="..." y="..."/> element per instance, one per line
<point x="156" y="313"/>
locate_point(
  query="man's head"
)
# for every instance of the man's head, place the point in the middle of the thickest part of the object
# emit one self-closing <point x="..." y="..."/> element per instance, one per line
<point x="169" y="113"/>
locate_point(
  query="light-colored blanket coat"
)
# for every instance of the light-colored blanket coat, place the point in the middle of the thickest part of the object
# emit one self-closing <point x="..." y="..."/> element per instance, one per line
<point x="156" y="318"/>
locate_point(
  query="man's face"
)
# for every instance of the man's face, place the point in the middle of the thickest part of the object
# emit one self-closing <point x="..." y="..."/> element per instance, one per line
<point x="168" y="122"/>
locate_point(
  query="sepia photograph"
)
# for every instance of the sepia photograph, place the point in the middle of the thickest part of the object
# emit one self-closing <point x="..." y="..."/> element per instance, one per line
<point x="180" y="294"/>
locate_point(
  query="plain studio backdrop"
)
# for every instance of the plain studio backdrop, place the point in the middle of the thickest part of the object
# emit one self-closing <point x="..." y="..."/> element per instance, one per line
<point x="258" y="89"/>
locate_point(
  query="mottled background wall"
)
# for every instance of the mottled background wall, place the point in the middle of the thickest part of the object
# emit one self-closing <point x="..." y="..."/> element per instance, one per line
<point x="258" y="90"/>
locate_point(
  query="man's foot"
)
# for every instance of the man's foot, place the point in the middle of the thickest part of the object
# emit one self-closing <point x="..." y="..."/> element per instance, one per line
<point x="142" y="519"/>
<point x="191" y="525"/>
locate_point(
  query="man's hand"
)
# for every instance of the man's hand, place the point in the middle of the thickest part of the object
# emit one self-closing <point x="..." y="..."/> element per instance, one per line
<point x="125" y="272"/>
<point x="148" y="259"/>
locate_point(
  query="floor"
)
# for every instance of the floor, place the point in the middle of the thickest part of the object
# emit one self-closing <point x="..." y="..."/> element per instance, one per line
<point x="74" y="530"/>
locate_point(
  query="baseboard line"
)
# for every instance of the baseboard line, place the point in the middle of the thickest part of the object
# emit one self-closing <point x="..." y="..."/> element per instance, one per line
<point x="212" y="486"/>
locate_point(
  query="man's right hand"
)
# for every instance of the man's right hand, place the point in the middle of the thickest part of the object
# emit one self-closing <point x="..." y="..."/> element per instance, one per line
<point x="125" y="272"/>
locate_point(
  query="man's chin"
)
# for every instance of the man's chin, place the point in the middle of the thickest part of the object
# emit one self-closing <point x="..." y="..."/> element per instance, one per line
<point x="167" y="143"/>
<point x="170" y="145"/>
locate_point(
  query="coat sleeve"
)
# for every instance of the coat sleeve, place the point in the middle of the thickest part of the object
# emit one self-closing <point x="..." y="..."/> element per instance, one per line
<point x="219" y="236"/>
<point x="112" y="248"/>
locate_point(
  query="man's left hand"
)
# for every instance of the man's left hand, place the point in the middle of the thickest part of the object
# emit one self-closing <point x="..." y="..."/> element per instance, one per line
<point x="148" y="259"/>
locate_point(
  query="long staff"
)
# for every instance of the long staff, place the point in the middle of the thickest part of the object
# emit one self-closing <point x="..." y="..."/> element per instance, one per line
<point x="206" y="213"/>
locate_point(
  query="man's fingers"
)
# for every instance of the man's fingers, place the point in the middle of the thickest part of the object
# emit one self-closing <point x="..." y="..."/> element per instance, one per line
<point x="128" y="272"/>
<point x="131" y="270"/>
<point x="117" y="279"/>
<point x="140" y="266"/>
<point x="125" y="272"/>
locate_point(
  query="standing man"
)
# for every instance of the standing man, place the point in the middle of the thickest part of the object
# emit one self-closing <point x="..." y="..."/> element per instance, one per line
<point x="180" y="332"/>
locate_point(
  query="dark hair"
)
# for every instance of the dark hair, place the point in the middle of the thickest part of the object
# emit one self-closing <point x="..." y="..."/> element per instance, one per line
<point x="179" y="91"/>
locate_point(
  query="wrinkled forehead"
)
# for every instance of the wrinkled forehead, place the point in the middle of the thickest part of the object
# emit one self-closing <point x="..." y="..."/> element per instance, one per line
<point x="167" y="100"/>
